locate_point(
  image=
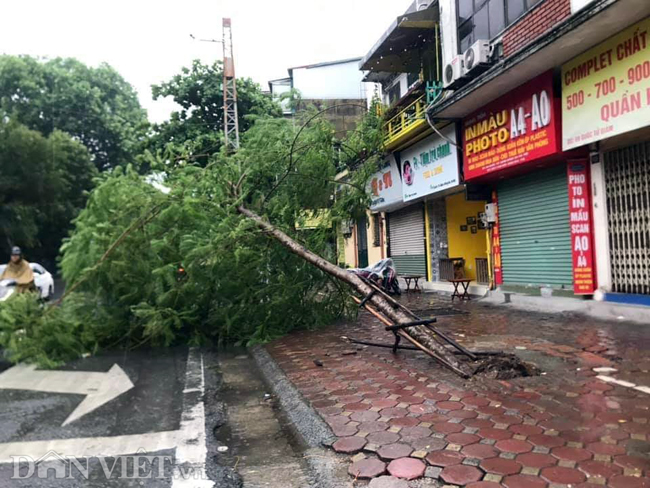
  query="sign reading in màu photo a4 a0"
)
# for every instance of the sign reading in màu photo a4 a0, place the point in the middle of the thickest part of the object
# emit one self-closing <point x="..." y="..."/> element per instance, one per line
<point x="515" y="129"/>
<point x="606" y="90"/>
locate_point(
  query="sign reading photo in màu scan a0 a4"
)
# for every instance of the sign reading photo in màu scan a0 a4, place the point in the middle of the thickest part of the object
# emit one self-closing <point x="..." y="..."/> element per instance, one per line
<point x="580" y="218"/>
<point x="517" y="128"/>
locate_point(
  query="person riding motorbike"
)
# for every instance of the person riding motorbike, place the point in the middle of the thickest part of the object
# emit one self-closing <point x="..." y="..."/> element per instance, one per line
<point x="19" y="271"/>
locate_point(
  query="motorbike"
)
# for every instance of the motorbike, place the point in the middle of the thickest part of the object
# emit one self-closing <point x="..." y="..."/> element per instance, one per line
<point x="7" y="288"/>
<point x="382" y="274"/>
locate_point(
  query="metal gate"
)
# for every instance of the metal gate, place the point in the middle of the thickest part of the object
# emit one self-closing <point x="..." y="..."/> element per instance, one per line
<point x="627" y="183"/>
<point x="407" y="249"/>
<point x="534" y="229"/>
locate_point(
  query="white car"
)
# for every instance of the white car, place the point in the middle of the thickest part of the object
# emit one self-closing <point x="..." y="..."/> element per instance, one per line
<point x="42" y="279"/>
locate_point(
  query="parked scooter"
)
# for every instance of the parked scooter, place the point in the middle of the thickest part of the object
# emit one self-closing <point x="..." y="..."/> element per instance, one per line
<point x="383" y="274"/>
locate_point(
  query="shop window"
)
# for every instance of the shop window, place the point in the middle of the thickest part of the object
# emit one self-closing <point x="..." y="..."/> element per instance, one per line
<point x="497" y="15"/>
<point x="412" y="79"/>
<point x="376" y="230"/>
<point x="515" y="9"/>
<point x="486" y="19"/>
<point x="393" y="93"/>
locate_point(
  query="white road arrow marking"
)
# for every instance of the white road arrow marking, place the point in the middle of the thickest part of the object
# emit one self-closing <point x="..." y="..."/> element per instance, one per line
<point x="99" y="388"/>
<point x="120" y="445"/>
<point x="189" y="441"/>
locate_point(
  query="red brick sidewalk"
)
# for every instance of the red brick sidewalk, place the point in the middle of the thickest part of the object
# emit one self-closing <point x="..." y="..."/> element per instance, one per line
<point x="405" y="416"/>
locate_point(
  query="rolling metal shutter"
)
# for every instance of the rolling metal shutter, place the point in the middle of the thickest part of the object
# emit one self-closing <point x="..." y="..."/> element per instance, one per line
<point x="627" y="182"/>
<point x="534" y="227"/>
<point x="407" y="249"/>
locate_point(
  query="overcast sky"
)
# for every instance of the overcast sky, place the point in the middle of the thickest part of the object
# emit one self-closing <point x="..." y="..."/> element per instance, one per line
<point x="149" y="41"/>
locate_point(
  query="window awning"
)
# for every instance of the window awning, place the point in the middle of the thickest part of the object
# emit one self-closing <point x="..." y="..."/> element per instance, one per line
<point x="396" y="51"/>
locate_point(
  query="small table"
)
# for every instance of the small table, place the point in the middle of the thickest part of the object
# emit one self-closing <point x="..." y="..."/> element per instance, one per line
<point x="464" y="295"/>
<point x="415" y="279"/>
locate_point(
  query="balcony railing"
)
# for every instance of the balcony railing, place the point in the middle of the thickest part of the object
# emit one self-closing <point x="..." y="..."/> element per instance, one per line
<point x="434" y="91"/>
<point x="411" y="118"/>
<point x="405" y="121"/>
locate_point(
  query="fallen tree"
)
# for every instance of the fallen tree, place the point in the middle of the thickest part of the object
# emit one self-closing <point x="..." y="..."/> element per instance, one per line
<point x="421" y="334"/>
<point x="192" y="262"/>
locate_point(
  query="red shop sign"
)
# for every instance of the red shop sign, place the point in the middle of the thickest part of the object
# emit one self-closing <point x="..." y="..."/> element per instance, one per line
<point x="496" y="244"/>
<point x="580" y="218"/>
<point x="515" y="129"/>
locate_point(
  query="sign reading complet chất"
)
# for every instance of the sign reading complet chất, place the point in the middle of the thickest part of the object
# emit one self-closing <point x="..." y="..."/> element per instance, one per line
<point x="584" y="275"/>
<point x="606" y="90"/>
<point x="517" y="128"/>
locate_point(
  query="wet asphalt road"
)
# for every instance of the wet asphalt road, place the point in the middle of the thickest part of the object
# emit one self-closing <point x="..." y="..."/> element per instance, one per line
<point x="162" y="418"/>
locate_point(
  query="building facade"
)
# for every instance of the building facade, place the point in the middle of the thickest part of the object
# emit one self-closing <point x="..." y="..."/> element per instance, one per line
<point x="567" y="180"/>
<point x="421" y="214"/>
<point x="546" y="106"/>
<point x="337" y="84"/>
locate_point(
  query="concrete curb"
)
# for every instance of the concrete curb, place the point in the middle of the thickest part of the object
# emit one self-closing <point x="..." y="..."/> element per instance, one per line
<point x="308" y="427"/>
<point x="588" y="308"/>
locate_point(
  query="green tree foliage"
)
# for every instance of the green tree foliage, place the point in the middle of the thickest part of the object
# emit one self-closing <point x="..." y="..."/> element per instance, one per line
<point x="43" y="185"/>
<point x="197" y="129"/>
<point x="123" y="260"/>
<point x="94" y="105"/>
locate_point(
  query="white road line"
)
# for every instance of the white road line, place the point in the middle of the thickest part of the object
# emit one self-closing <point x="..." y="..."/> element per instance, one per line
<point x="609" y="379"/>
<point x="192" y="450"/>
<point x="99" y="388"/>
<point x="626" y="384"/>
<point x="605" y="369"/>
<point x="91" y="446"/>
<point x="189" y="441"/>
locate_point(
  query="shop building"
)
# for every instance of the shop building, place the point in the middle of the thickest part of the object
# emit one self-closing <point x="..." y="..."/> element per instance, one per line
<point x="557" y="205"/>
<point x="430" y="227"/>
<point x="512" y="146"/>
<point x="606" y="108"/>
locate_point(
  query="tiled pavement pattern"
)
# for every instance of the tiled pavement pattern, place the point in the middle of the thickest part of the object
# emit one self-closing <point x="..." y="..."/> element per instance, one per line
<point x="402" y="416"/>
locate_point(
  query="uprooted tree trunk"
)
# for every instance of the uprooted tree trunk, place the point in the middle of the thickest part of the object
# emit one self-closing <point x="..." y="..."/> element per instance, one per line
<point x="420" y="335"/>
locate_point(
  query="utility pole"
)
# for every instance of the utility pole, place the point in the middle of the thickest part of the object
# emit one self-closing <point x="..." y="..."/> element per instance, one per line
<point x="230" y="119"/>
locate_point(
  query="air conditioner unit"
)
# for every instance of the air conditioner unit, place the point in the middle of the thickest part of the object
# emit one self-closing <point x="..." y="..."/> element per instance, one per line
<point x="422" y="4"/>
<point x="453" y="72"/>
<point x="477" y="57"/>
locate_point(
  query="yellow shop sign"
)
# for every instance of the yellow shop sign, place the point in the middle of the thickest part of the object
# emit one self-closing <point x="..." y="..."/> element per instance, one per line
<point x="606" y="90"/>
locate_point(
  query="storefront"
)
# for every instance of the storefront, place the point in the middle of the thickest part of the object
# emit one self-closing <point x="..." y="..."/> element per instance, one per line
<point x="606" y="107"/>
<point x="418" y="233"/>
<point x="407" y="244"/>
<point x="365" y="241"/>
<point x="466" y="237"/>
<point x="513" y="145"/>
<point x="534" y="228"/>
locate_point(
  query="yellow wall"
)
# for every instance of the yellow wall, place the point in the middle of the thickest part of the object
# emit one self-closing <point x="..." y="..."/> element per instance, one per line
<point x="348" y="251"/>
<point x="465" y="244"/>
<point x="374" y="252"/>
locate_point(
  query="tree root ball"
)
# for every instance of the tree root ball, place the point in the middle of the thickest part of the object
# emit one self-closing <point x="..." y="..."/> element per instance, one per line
<point x="503" y="366"/>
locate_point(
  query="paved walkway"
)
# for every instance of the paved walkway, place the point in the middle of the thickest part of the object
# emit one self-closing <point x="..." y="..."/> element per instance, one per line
<point x="402" y="416"/>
